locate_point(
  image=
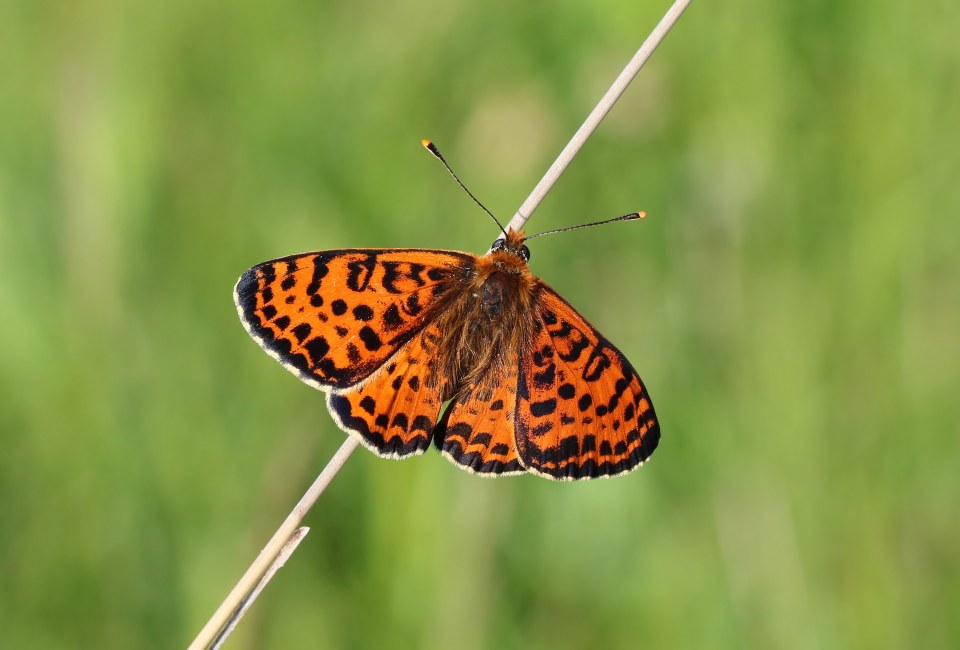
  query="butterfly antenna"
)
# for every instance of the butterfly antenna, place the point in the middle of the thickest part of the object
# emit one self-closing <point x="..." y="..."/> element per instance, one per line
<point x="626" y="217"/>
<point x="432" y="148"/>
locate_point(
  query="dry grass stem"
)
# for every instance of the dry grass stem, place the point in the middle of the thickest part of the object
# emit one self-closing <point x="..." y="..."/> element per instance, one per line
<point x="267" y="558"/>
<point x="285" y="553"/>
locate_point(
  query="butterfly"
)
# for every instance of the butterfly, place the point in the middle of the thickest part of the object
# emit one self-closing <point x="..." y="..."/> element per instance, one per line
<point x="471" y="353"/>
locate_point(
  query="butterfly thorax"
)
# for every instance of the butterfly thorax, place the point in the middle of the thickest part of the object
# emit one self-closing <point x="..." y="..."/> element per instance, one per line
<point x="486" y="319"/>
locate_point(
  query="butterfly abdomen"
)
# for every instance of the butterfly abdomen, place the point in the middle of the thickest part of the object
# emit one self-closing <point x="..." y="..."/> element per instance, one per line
<point x="492" y="296"/>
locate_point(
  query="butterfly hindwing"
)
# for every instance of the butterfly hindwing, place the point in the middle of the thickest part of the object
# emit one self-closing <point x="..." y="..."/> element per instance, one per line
<point x="476" y="431"/>
<point x="582" y="411"/>
<point x="335" y="317"/>
<point x="395" y="411"/>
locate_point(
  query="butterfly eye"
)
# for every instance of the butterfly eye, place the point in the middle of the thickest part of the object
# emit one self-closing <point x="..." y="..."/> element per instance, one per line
<point x="525" y="254"/>
<point x="498" y="245"/>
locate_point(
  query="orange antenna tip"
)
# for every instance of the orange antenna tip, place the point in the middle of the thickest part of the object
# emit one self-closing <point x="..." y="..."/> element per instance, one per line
<point x="627" y="217"/>
<point x="432" y="148"/>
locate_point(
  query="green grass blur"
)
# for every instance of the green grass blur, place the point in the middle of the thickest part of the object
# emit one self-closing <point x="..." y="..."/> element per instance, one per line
<point x="793" y="304"/>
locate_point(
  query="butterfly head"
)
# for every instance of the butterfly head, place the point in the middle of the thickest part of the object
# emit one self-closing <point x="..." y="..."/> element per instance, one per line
<point x="512" y="244"/>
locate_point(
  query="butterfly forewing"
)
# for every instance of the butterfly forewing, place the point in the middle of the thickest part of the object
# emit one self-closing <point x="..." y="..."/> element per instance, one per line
<point x="582" y="411"/>
<point x="333" y="318"/>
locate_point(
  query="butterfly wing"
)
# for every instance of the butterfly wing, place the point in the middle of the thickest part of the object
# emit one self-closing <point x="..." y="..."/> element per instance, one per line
<point x="395" y="411"/>
<point x="357" y="324"/>
<point x="582" y="411"/>
<point x="334" y="317"/>
<point x="476" y="431"/>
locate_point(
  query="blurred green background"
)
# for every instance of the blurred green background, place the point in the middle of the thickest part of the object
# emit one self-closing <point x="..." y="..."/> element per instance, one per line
<point x="793" y="304"/>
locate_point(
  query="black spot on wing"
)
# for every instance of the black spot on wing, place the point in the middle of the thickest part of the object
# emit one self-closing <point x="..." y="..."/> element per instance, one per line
<point x="370" y="339"/>
<point x="353" y="353"/>
<point x="541" y="429"/>
<point x="546" y="377"/>
<point x="391" y="318"/>
<point x="416" y="270"/>
<point x="597" y="364"/>
<point x="302" y="331"/>
<point x="368" y="404"/>
<point x="412" y="304"/>
<point x="320" y="271"/>
<point x="317" y="348"/>
<point x="544" y="408"/>
<point x="481" y="439"/>
<point x="268" y="271"/>
<point x="460" y="430"/>
<point x="391" y="273"/>
<point x="584" y="402"/>
<point x="360" y="272"/>
<point x="422" y="423"/>
<point x="363" y="313"/>
<point x="577" y="345"/>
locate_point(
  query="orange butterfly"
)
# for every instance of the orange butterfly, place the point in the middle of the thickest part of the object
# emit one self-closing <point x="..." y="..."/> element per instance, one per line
<point x="392" y="334"/>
